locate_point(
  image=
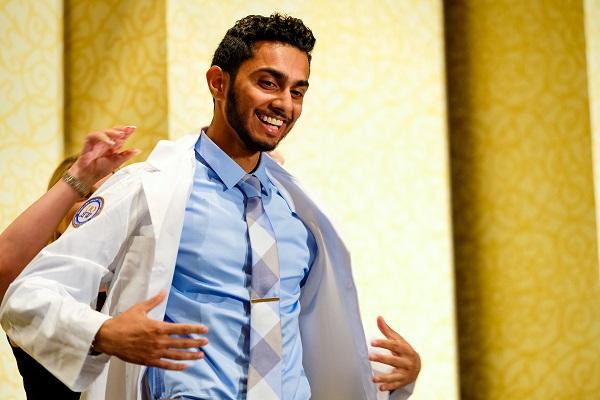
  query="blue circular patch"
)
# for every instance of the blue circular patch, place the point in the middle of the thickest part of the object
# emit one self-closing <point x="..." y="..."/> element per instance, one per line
<point x="87" y="211"/>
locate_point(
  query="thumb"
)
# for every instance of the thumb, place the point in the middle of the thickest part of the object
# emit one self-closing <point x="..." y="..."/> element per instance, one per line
<point x="386" y="330"/>
<point x="152" y="302"/>
<point x="120" y="158"/>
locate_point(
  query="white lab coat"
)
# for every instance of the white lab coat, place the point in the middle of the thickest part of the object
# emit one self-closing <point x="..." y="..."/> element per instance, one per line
<point x="131" y="247"/>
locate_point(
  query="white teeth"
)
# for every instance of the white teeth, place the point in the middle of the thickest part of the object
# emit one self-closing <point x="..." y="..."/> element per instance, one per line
<point x="272" y="121"/>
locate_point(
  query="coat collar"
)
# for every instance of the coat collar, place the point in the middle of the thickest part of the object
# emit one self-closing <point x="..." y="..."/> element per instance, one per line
<point x="173" y="183"/>
<point x="160" y="158"/>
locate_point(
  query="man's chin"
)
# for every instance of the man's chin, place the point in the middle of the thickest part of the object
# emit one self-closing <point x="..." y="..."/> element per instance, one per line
<point x="262" y="147"/>
<point x="258" y="145"/>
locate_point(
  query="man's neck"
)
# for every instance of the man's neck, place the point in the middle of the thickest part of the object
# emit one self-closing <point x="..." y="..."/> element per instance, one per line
<point x="233" y="146"/>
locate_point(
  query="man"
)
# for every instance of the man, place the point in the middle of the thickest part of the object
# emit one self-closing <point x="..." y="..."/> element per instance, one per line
<point x="235" y="242"/>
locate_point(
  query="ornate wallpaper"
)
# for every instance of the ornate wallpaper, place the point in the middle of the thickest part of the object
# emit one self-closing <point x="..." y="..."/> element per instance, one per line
<point x="523" y="201"/>
<point x="31" y="111"/>
<point x="115" y="68"/>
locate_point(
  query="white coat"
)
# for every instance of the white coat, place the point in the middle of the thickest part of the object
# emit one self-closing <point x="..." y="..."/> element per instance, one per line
<point x="130" y="247"/>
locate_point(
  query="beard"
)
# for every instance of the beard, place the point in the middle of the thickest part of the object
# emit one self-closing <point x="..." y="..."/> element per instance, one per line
<point x="236" y="122"/>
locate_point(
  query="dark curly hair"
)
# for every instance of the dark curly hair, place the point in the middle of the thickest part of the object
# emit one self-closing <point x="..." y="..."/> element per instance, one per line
<point x="238" y="44"/>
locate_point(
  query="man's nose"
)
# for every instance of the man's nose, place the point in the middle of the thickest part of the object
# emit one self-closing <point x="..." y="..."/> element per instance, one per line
<point x="284" y="103"/>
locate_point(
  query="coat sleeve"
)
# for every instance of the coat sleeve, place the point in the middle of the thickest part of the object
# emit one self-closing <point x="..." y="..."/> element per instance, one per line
<point x="403" y="393"/>
<point x="49" y="309"/>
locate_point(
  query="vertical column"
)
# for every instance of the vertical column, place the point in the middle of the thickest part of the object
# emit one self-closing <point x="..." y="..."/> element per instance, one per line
<point x="592" y="39"/>
<point x="523" y="200"/>
<point x="31" y="110"/>
<point x="115" y="62"/>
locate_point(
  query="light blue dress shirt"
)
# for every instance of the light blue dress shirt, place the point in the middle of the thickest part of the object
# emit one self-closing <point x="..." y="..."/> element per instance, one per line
<point x="212" y="276"/>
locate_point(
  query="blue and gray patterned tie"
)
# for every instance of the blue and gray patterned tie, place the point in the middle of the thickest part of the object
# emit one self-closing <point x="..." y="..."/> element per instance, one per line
<point x="264" y="372"/>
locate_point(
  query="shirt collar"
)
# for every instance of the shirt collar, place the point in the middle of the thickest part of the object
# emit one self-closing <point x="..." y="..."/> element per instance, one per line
<point x="226" y="169"/>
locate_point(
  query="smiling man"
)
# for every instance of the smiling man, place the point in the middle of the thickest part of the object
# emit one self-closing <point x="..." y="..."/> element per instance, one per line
<point x="261" y="301"/>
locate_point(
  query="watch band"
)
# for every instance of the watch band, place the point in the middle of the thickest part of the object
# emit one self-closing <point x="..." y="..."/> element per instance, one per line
<point x="77" y="185"/>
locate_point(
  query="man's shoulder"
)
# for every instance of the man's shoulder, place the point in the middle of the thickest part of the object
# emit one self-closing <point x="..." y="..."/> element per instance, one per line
<point x="277" y="173"/>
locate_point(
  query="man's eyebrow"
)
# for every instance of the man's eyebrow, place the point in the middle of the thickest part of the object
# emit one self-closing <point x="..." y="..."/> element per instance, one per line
<point x="280" y="76"/>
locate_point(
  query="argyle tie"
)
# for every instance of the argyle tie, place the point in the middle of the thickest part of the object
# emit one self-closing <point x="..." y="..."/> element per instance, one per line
<point x="264" y="372"/>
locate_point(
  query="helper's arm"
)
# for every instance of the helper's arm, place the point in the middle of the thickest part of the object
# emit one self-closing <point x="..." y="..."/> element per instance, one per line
<point x="48" y="309"/>
<point x="33" y="229"/>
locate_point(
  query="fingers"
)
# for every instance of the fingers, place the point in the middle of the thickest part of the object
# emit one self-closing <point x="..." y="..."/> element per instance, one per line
<point x="114" y="136"/>
<point x="181" y="355"/>
<point x="95" y="144"/>
<point x="182" y="343"/>
<point x="388" y="359"/>
<point x="152" y="302"/>
<point x="101" y="137"/>
<point x="396" y="346"/>
<point x="169" y="328"/>
<point x="386" y="330"/>
<point x="393" y="386"/>
<point x="125" y="128"/>
<point x="392" y="381"/>
<point x="119" y="158"/>
<point x="167" y="365"/>
<point x="120" y="134"/>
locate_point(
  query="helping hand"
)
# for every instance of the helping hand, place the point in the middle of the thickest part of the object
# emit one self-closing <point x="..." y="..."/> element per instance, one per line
<point x="404" y="359"/>
<point x="135" y="338"/>
<point x="100" y="154"/>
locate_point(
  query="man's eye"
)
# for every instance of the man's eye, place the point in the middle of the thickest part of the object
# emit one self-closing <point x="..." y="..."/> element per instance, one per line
<point x="297" y="94"/>
<point x="267" y="84"/>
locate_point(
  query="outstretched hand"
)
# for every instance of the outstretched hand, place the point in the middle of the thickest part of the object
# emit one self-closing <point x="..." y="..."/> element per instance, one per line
<point x="101" y="154"/>
<point x="135" y="338"/>
<point x="404" y="359"/>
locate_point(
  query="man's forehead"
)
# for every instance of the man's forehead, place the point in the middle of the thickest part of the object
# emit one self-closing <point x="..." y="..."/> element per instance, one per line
<point x="280" y="59"/>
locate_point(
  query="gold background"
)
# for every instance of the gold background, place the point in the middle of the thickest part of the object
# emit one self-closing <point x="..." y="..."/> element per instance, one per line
<point x="592" y="35"/>
<point x="115" y="69"/>
<point x="524" y="114"/>
<point x="31" y="121"/>
<point x="523" y="200"/>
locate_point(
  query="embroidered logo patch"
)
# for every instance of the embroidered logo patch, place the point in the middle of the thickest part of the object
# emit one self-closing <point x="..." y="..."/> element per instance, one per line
<point x="88" y="210"/>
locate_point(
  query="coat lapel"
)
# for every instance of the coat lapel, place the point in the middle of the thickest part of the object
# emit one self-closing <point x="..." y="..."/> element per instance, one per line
<point x="167" y="175"/>
<point x="330" y="326"/>
<point x="167" y="187"/>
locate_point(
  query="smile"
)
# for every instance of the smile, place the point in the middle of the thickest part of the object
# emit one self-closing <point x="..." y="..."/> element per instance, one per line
<point x="270" y="120"/>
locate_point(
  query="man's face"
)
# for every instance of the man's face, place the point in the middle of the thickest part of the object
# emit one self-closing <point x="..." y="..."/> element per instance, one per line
<point x="265" y="100"/>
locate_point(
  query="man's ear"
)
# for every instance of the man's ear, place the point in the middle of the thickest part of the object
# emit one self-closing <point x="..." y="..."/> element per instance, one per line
<point x="216" y="79"/>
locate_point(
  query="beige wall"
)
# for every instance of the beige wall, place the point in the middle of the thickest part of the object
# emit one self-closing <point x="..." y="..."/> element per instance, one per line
<point x="31" y="111"/>
<point x="523" y="200"/>
<point x="31" y="105"/>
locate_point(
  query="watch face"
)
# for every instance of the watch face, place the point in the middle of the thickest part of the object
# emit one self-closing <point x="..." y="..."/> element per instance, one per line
<point x="88" y="210"/>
